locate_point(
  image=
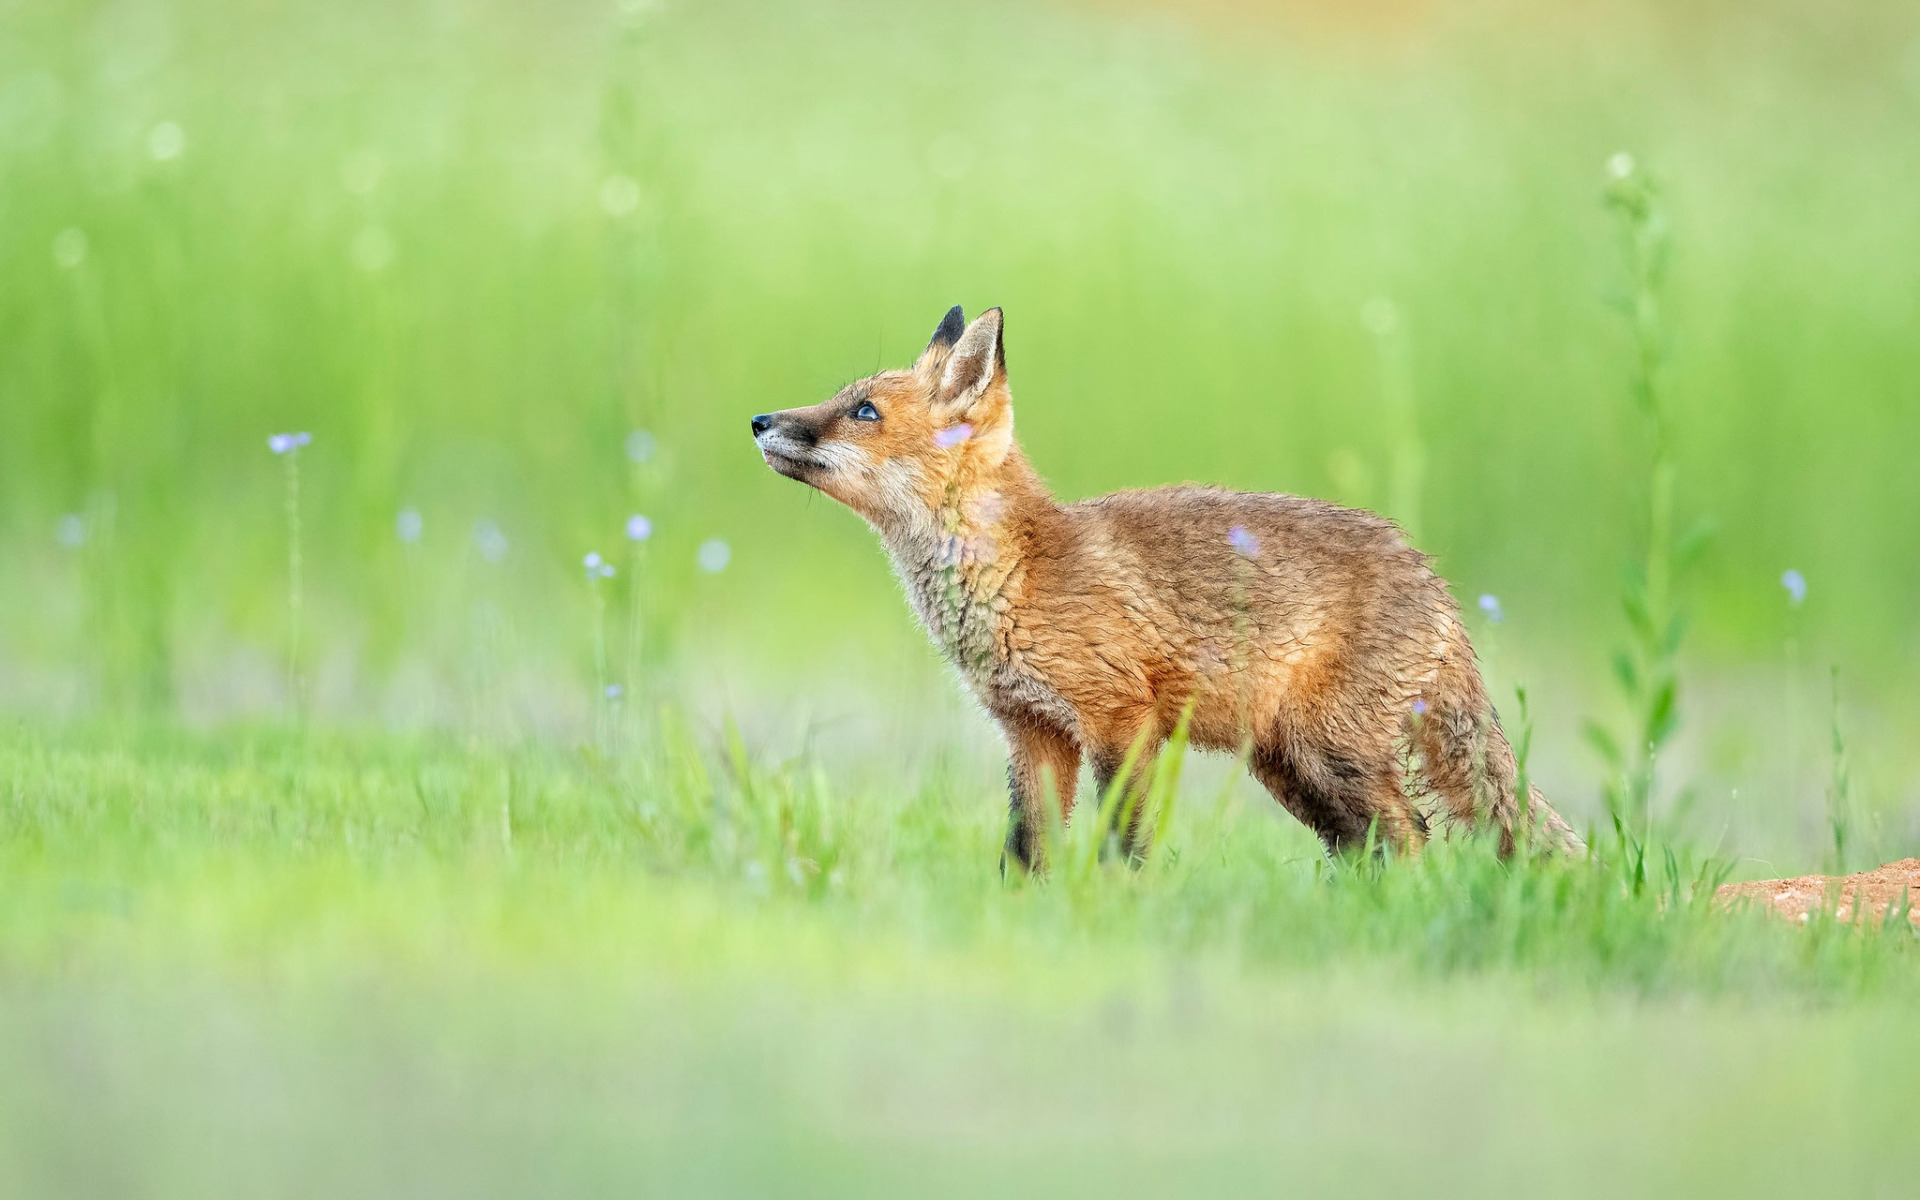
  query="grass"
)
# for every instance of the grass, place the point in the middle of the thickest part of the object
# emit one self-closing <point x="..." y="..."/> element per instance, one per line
<point x="680" y="967"/>
<point x="256" y="810"/>
<point x="330" y="864"/>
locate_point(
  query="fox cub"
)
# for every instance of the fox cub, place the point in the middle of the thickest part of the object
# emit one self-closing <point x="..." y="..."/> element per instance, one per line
<point x="1309" y="636"/>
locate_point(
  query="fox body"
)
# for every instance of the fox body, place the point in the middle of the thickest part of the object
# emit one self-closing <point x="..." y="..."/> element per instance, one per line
<point x="1307" y="635"/>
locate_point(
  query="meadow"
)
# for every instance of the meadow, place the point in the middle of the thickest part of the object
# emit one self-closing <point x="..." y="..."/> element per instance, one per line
<point x="358" y="835"/>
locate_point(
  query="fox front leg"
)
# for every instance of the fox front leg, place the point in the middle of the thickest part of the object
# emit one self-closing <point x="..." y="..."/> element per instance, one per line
<point x="1128" y="836"/>
<point x="1043" y="766"/>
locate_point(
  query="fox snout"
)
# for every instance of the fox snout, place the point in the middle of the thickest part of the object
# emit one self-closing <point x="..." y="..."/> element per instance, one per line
<point x="787" y="442"/>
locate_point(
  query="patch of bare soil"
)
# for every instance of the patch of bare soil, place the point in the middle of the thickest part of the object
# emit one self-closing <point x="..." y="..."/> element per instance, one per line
<point x="1868" y="894"/>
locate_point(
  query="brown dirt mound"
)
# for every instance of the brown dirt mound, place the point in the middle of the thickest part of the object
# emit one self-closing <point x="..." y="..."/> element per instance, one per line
<point x="1868" y="893"/>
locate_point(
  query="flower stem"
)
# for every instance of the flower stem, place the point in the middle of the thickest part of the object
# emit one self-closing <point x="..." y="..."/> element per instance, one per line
<point x="294" y="601"/>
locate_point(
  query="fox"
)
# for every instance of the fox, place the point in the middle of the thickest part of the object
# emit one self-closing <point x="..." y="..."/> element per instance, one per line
<point x="1307" y="637"/>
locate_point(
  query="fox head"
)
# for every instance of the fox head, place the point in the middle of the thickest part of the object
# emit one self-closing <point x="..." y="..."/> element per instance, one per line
<point x="901" y="446"/>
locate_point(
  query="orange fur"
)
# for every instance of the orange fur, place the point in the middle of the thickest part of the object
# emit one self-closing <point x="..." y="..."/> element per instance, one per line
<point x="1322" y="645"/>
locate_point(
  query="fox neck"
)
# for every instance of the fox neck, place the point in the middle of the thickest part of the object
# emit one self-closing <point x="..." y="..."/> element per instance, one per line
<point x="962" y="561"/>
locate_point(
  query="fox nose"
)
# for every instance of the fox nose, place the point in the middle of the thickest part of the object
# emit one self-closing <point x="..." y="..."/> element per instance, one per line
<point x="762" y="423"/>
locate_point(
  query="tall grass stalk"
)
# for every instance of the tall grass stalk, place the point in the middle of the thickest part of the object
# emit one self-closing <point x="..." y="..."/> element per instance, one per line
<point x="491" y="710"/>
<point x="639" y="532"/>
<point x="1522" y="738"/>
<point x="605" y="692"/>
<point x="1407" y="459"/>
<point x="1646" y="669"/>
<point x="1839" y="788"/>
<point x="1796" y="588"/>
<point x="287" y="446"/>
<point x="1793" y="713"/>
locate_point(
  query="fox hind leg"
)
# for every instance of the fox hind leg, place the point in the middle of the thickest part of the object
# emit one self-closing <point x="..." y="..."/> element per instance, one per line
<point x="1341" y="797"/>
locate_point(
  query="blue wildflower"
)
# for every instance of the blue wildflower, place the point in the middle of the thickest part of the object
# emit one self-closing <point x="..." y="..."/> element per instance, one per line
<point x="488" y="539"/>
<point x="70" y="530"/>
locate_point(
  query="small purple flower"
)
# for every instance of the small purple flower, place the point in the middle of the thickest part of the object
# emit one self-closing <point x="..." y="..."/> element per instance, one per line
<point x="287" y="443"/>
<point x="1796" y="585"/>
<point x="1420" y="708"/>
<point x="408" y="525"/>
<point x="714" y="555"/>
<point x="1490" y="605"/>
<point x="614" y="691"/>
<point x="640" y="446"/>
<point x="1243" y="541"/>
<point x="597" y="567"/>
<point x="639" y="529"/>
<point x="953" y="435"/>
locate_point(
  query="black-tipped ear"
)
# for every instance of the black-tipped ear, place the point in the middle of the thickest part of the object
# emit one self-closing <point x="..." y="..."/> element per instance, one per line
<point x="951" y="327"/>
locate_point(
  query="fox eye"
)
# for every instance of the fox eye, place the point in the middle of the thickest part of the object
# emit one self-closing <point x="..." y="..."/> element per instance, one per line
<point x="866" y="412"/>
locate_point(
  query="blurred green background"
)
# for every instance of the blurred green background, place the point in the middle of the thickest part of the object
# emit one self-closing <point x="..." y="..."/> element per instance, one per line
<point x="471" y="247"/>
<point x="388" y="897"/>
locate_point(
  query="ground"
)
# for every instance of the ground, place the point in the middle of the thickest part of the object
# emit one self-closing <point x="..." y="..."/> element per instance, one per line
<point x="1869" y="893"/>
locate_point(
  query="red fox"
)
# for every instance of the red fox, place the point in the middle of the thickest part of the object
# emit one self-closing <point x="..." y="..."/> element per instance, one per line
<point x="1308" y="636"/>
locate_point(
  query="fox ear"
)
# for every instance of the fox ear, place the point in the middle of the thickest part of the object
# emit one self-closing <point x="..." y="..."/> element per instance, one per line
<point x="978" y="358"/>
<point x="951" y="327"/>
